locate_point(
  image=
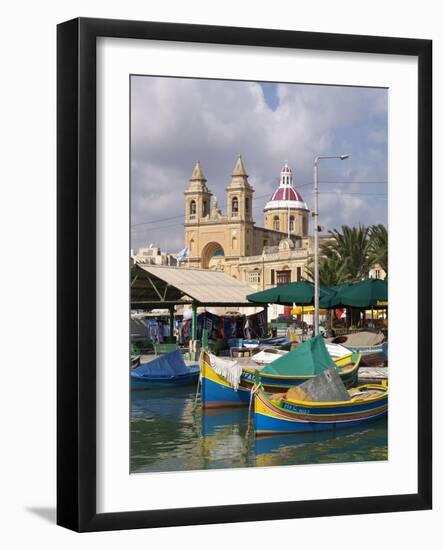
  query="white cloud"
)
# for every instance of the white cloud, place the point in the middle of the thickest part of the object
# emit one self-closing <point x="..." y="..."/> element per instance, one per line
<point x="174" y="122"/>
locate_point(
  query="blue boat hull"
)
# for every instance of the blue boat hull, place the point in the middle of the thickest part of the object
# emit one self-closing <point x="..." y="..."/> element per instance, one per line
<point x="160" y="381"/>
<point x="218" y="395"/>
<point x="267" y="425"/>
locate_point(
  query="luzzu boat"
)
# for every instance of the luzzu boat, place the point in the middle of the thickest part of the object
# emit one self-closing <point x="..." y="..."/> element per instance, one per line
<point x="277" y="415"/>
<point x="227" y="383"/>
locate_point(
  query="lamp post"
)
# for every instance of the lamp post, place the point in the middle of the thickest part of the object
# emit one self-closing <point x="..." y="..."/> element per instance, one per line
<point x="316" y="230"/>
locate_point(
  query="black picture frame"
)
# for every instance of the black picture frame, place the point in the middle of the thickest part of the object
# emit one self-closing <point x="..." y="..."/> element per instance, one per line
<point x="76" y="294"/>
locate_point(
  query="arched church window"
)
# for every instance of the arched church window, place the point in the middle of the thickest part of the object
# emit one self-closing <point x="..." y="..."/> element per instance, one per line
<point x="276" y="223"/>
<point x="246" y="204"/>
<point x="205" y="208"/>
<point x="235" y="206"/>
<point x="291" y="224"/>
<point x="192" y="209"/>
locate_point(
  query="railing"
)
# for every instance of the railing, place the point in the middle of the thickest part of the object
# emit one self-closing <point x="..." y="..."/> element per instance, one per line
<point x="279" y="255"/>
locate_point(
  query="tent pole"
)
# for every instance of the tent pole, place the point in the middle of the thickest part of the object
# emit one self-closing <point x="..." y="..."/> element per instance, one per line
<point x="171" y="321"/>
<point x="302" y="315"/>
<point x="194" y="321"/>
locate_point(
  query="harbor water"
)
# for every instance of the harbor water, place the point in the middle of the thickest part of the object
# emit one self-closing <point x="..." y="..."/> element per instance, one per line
<point x="170" y="433"/>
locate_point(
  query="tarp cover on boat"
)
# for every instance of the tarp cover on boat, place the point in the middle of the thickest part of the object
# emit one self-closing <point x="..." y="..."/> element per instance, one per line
<point x="171" y="364"/>
<point x="308" y="359"/>
<point x="364" y="338"/>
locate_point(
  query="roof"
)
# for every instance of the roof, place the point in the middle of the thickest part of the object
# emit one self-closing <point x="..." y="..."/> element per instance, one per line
<point x="197" y="173"/>
<point x="286" y="197"/>
<point x="171" y="285"/>
<point x="286" y="194"/>
<point x="239" y="168"/>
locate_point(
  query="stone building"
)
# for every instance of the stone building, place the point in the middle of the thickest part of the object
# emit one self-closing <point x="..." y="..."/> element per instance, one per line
<point x="152" y="255"/>
<point x="261" y="256"/>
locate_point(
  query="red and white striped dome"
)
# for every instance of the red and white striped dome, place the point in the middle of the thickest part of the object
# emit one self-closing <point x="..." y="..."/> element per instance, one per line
<point x="285" y="196"/>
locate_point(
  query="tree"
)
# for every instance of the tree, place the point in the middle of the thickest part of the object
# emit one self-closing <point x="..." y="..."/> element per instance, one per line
<point x="379" y="246"/>
<point x="350" y="251"/>
<point x="330" y="270"/>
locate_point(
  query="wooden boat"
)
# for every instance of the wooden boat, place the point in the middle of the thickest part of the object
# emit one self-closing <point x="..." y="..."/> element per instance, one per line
<point x="340" y="354"/>
<point x="285" y="415"/>
<point x="228" y="383"/>
<point x="369" y="344"/>
<point x="164" y="370"/>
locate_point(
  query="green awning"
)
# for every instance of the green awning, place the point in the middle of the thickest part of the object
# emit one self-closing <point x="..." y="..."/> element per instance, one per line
<point x="308" y="359"/>
<point x="363" y="294"/>
<point x="300" y="293"/>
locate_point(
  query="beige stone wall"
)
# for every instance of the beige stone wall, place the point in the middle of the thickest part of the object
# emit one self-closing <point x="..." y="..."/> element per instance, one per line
<point x="301" y="221"/>
<point x="281" y="260"/>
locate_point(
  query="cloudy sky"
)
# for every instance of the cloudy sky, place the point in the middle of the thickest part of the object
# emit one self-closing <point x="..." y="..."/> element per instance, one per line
<point x="175" y="121"/>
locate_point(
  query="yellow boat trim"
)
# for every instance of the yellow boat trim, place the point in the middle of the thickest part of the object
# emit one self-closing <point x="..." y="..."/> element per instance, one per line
<point x="324" y="404"/>
<point x="345" y="360"/>
<point x="322" y="418"/>
<point x="262" y="407"/>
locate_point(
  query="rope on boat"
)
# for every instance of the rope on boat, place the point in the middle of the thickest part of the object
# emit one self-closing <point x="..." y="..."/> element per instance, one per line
<point x="198" y="383"/>
<point x="254" y="390"/>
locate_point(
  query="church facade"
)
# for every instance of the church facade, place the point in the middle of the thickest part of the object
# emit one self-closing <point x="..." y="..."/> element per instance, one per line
<point x="231" y="241"/>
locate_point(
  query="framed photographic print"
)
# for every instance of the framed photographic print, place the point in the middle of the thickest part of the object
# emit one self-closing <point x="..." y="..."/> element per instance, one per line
<point x="244" y="274"/>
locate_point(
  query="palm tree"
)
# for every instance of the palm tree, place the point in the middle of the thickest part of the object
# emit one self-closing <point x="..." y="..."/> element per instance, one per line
<point x="350" y="251"/>
<point x="379" y="246"/>
<point x="330" y="270"/>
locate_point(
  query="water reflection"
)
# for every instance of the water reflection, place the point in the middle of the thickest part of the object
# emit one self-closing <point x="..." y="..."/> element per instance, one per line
<point x="169" y="432"/>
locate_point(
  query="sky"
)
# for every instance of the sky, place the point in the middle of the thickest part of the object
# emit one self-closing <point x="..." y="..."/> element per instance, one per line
<point x="176" y="121"/>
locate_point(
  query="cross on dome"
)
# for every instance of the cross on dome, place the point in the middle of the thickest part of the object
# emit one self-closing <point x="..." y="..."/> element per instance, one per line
<point x="285" y="196"/>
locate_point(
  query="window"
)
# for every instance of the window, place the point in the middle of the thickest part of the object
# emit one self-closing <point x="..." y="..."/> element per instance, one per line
<point x="272" y="276"/>
<point x="192" y="209"/>
<point x="235" y="206"/>
<point x="276" y="224"/>
<point x="305" y="225"/>
<point x="298" y="273"/>
<point x="205" y="208"/>
<point x="291" y="223"/>
<point x="254" y="277"/>
<point x="283" y="277"/>
<point x="246" y="205"/>
<point x="377" y="274"/>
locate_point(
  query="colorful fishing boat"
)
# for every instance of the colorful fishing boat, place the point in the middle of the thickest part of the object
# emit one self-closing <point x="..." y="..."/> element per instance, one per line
<point x="164" y="370"/>
<point x="283" y="414"/>
<point x="228" y="383"/>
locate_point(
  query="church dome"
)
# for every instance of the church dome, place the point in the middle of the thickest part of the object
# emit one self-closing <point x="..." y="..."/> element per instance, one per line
<point x="285" y="196"/>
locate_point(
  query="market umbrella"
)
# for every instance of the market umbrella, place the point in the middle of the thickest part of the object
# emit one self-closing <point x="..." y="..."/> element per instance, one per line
<point x="300" y="293"/>
<point x="363" y="294"/>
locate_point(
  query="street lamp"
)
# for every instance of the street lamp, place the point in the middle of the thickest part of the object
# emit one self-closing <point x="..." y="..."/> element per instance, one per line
<point x="316" y="230"/>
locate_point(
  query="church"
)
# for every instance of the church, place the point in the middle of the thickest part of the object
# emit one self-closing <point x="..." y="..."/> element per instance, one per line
<point x="276" y="253"/>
